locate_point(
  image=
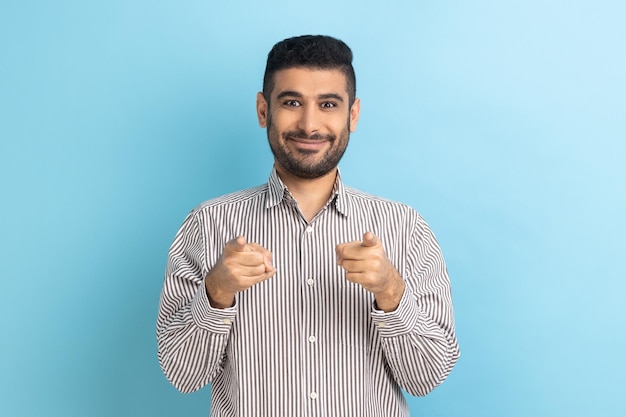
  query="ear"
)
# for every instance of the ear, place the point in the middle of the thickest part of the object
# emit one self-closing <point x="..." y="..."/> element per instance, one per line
<point x="355" y="111"/>
<point x="261" y="109"/>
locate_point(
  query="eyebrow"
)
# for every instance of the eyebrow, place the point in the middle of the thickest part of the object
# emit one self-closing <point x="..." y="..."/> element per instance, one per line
<point x="331" y="96"/>
<point x="296" y="94"/>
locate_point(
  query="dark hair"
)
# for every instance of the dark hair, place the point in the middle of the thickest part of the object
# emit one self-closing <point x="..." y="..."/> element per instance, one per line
<point x="310" y="51"/>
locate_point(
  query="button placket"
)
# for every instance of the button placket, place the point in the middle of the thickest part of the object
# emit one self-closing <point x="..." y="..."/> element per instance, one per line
<point x="311" y="361"/>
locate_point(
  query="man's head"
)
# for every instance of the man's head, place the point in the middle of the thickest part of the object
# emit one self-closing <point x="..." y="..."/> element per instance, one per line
<point x="313" y="52"/>
<point x="308" y="105"/>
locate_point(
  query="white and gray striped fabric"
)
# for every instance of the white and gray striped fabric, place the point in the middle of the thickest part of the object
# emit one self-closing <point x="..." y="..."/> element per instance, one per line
<point x="306" y="342"/>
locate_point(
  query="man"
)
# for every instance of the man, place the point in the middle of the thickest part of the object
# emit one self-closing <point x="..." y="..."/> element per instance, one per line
<point x="304" y="297"/>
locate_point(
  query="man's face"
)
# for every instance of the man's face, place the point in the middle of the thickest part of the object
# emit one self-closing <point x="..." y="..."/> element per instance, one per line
<point x="308" y="120"/>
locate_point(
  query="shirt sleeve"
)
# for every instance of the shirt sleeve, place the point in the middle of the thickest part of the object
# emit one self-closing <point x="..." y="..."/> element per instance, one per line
<point x="191" y="335"/>
<point x="418" y="338"/>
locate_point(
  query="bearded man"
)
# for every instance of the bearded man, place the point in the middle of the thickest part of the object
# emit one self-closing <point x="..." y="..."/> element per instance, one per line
<point x="303" y="296"/>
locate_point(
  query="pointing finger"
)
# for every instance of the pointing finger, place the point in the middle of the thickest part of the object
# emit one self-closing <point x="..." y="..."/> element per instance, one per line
<point x="238" y="244"/>
<point x="370" y="240"/>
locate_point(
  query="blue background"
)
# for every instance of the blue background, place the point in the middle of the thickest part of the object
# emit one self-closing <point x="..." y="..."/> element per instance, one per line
<point x="502" y="122"/>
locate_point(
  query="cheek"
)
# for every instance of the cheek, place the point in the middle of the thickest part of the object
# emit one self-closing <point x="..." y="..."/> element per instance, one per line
<point x="337" y="122"/>
<point x="281" y="120"/>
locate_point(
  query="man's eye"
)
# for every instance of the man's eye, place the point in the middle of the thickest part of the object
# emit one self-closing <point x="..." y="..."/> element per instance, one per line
<point x="328" y="105"/>
<point x="292" y="103"/>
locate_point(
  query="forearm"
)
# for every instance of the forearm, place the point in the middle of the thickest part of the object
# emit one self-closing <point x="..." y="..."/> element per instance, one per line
<point x="192" y="341"/>
<point x="389" y="299"/>
<point x="419" y="351"/>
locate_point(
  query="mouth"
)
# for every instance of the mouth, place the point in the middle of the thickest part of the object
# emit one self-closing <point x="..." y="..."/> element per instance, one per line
<point x="307" y="144"/>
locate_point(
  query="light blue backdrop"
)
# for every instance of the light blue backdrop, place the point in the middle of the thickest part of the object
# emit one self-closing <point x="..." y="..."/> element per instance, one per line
<point x="502" y="122"/>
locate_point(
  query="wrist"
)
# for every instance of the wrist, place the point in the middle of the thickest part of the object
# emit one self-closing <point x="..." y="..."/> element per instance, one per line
<point x="389" y="299"/>
<point x="218" y="298"/>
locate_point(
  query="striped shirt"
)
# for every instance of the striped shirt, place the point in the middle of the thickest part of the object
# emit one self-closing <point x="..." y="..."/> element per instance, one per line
<point x="306" y="342"/>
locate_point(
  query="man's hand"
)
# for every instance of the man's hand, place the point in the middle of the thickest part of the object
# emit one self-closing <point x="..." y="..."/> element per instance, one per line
<point x="241" y="266"/>
<point x="366" y="264"/>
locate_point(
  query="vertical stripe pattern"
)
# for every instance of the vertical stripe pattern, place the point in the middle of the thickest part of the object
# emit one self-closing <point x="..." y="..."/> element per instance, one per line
<point x="306" y="342"/>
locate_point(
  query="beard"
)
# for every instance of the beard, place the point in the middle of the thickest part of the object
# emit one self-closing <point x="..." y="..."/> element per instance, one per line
<point x="303" y="164"/>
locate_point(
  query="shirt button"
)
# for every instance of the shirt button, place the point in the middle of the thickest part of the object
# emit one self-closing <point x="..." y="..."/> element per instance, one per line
<point x="381" y="324"/>
<point x="309" y="229"/>
<point x="313" y="395"/>
<point x="312" y="339"/>
<point x="310" y="281"/>
<point x="226" y="321"/>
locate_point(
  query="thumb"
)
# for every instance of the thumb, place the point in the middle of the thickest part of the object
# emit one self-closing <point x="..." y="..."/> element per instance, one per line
<point x="370" y="240"/>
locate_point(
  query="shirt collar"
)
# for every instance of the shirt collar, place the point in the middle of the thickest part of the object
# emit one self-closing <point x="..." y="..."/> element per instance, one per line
<point x="277" y="192"/>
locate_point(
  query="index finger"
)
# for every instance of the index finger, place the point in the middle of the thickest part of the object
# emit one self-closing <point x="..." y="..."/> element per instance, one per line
<point x="370" y="239"/>
<point x="238" y="244"/>
<point x="343" y="250"/>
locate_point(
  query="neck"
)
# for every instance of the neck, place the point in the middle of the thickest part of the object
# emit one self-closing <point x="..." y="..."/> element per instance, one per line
<point x="311" y="194"/>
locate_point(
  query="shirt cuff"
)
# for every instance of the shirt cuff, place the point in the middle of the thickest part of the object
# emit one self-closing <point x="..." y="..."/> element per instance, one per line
<point x="215" y="320"/>
<point x="400" y="321"/>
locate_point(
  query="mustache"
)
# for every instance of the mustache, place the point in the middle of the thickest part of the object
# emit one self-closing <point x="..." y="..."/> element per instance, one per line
<point x="301" y="134"/>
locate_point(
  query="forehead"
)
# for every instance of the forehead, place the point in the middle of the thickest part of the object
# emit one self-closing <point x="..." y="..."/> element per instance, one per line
<point x="309" y="81"/>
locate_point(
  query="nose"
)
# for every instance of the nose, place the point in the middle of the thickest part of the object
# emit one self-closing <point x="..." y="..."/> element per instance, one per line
<point x="310" y="120"/>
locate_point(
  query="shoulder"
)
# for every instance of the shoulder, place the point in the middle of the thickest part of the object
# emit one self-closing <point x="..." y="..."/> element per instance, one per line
<point x="363" y="199"/>
<point x="234" y="200"/>
<point x="372" y="206"/>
